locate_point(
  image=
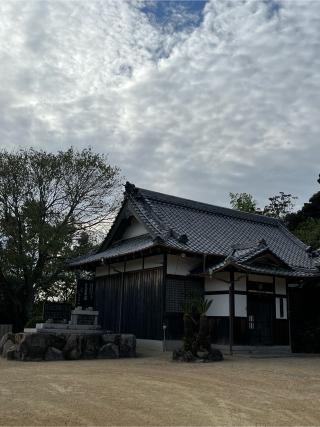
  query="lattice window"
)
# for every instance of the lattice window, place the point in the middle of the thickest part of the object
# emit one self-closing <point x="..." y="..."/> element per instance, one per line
<point x="180" y="291"/>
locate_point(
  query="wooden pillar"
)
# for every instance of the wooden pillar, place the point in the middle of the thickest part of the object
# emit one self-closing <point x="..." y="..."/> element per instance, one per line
<point x="288" y="315"/>
<point x="204" y="263"/>
<point x="164" y="287"/>
<point x="231" y="311"/>
<point x="121" y="297"/>
<point x="164" y="302"/>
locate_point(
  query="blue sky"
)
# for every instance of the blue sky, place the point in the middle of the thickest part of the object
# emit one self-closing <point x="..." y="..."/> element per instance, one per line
<point x="192" y="98"/>
<point x="164" y="12"/>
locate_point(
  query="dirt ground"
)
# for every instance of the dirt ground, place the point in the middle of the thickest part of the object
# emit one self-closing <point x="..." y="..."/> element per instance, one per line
<point x="152" y="390"/>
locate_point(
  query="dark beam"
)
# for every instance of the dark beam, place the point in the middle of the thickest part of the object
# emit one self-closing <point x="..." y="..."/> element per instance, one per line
<point x="231" y="311"/>
<point x="164" y="285"/>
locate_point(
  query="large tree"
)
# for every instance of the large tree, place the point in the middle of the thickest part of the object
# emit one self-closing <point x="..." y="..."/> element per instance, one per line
<point x="305" y="223"/>
<point x="279" y="206"/>
<point x="46" y="201"/>
<point x="243" y="202"/>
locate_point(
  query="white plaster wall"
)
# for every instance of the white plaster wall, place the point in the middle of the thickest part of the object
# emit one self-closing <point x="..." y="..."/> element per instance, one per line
<point x="134" y="229"/>
<point x="260" y="278"/>
<point x="240" y="305"/>
<point x="153" y="261"/>
<point x="181" y="266"/>
<point x="132" y="265"/>
<point x="285" y="314"/>
<point x="280" y="285"/>
<point x="218" y="282"/>
<point x="219" y="305"/>
<point x="240" y="282"/>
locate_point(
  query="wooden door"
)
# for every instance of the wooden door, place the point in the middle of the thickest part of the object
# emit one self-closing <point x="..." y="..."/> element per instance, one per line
<point x="260" y="319"/>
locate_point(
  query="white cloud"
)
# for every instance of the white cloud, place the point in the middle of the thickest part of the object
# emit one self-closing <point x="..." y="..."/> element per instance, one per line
<point x="229" y="104"/>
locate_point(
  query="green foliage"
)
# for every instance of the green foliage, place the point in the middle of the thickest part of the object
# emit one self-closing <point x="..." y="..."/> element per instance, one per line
<point x="47" y="201"/>
<point x="196" y="326"/>
<point x="309" y="232"/>
<point x="279" y="205"/>
<point x="202" y="306"/>
<point x="243" y="202"/>
<point x="305" y="223"/>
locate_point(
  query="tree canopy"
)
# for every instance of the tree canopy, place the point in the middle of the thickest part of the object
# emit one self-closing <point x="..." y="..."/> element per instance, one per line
<point x="305" y="223"/>
<point x="47" y="202"/>
<point x="243" y="202"/>
<point x="279" y="206"/>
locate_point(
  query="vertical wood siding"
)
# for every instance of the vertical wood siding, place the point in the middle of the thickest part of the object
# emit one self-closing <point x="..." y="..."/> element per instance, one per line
<point x="142" y="302"/>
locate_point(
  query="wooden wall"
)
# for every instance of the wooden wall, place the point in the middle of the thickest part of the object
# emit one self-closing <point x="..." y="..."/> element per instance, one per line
<point x="134" y="299"/>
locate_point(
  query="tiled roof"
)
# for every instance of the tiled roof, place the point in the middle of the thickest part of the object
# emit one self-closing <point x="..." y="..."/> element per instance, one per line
<point x="124" y="247"/>
<point x="201" y="228"/>
<point x="262" y="269"/>
<point x="215" y="230"/>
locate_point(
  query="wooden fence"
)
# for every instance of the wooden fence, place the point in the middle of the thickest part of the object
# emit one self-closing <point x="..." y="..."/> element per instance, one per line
<point x="4" y="329"/>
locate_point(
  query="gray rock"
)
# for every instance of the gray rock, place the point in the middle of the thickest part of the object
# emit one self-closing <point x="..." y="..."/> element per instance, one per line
<point x="214" y="355"/>
<point x="203" y="354"/>
<point x="91" y="346"/>
<point x="73" y="348"/>
<point x="183" y="356"/>
<point x="127" y="345"/>
<point x="111" y="338"/>
<point x="33" y="346"/>
<point x="4" y="339"/>
<point x="109" y="351"/>
<point x="18" y="337"/>
<point x="8" y="347"/>
<point x="12" y="353"/>
<point x="53" y="354"/>
<point x="57" y="340"/>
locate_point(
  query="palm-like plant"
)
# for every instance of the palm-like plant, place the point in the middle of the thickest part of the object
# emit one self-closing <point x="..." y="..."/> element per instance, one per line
<point x="195" y="342"/>
<point x="202" y="306"/>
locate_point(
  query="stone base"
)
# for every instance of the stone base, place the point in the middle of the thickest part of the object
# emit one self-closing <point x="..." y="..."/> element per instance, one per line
<point x="214" y="355"/>
<point x="37" y="346"/>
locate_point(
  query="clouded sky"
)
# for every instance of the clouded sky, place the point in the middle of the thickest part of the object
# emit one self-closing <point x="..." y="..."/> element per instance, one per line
<point x="191" y="98"/>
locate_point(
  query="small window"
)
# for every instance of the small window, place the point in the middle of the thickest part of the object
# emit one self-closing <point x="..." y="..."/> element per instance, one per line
<point x="260" y="287"/>
<point x="281" y="307"/>
<point x="251" y="321"/>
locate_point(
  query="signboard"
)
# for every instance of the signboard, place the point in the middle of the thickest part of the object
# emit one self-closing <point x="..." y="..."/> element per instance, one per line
<point x="56" y="311"/>
<point x="85" y="293"/>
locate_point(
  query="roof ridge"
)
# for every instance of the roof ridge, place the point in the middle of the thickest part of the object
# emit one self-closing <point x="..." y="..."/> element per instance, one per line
<point x="134" y="193"/>
<point x="206" y="207"/>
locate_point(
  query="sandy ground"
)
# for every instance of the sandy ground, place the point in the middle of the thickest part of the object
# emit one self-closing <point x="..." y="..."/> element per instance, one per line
<point x="152" y="390"/>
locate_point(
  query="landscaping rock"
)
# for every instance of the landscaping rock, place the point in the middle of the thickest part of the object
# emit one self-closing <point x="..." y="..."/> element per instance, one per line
<point x="111" y="338"/>
<point x="215" y="355"/>
<point x="4" y="339"/>
<point x="8" y="346"/>
<point x="183" y="356"/>
<point x="33" y="346"/>
<point x="49" y="346"/>
<point x="73" y="348"/>
<point x="109" y="351"/>
<point x="127" y="345"/>
<point x="11" y="353"/>
<point x="203" y="354"/>
<point x="18" y="337"/>
<point x="91" y="347"/>
<point x="53" y="354"/>
<point x="57" y="341"/>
